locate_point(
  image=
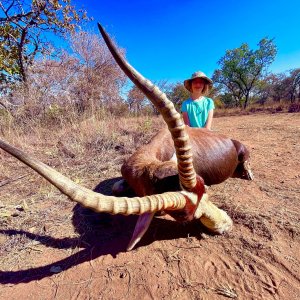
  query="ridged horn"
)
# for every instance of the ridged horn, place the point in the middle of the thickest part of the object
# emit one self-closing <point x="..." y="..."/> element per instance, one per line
<point x="187" y="174"/>
<point x="96" y="201"/>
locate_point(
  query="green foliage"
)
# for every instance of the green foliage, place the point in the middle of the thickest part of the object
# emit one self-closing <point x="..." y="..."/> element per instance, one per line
<point x="54" y="111"/>
<point x="218" y="102"/>
<point x="4" y="113"/>
<point x="5" y="118"/>
<point x="23" y="25"/>
<point x="8" y="53"/>
<point x="241" y="68"/>
<point x="146" y="125"/>
<point x="228" y="100"/>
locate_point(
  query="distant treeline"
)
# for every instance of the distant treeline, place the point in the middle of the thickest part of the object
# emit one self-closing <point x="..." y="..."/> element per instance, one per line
<point x="40" y="80"/>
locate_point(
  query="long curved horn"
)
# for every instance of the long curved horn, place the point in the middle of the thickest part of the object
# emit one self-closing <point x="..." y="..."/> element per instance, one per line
<point x="96" y="201"/>
<point x="187" y="174"/>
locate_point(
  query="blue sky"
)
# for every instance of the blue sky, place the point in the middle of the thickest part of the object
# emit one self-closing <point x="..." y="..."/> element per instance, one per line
<point x="169" y="40"/>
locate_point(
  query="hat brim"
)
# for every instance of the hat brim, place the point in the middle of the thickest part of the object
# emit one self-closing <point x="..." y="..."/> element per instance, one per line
<point x="187" y="82"/>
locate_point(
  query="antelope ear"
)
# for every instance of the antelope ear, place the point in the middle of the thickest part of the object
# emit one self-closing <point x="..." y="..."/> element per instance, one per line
<point x="140" y="229"/>
<point x="166" y="169"/>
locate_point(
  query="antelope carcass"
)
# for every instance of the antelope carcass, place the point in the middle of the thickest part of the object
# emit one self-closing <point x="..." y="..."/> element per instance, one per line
<point x="161" y="183"/>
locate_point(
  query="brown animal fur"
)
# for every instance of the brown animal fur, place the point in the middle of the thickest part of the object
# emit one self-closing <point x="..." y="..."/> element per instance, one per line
<point x="215" y="157"/>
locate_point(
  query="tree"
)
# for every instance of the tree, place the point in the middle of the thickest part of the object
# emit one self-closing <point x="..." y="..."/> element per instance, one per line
<point x="165" y="87"/>
<point x="82" y="81"/>
<point x="285" y="86"/>
<point x="99" y="80"/>
<point x="295" y="86"/>
<point x="23" y="25"/>
<point x="177" y="94"/>
<point x="136" y="100"/>
<point x="241" y="69"/>
<point x="233" y="94"/>
<point x="277" y="91"/>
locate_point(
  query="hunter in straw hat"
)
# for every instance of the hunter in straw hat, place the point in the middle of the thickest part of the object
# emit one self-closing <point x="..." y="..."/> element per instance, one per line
<point x="198" y="110"/>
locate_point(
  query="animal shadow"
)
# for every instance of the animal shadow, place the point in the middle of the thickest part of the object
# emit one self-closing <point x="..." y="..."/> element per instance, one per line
<point x="98" y="234"/>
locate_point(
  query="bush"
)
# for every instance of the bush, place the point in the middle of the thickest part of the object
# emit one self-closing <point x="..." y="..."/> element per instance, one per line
<point x="294" y="107"/>
<point x="54" y="111"/>
<point x="218" y="103"/>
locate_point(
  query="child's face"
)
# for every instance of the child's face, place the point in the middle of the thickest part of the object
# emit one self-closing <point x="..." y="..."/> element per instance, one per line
<point x="198" y="85"/>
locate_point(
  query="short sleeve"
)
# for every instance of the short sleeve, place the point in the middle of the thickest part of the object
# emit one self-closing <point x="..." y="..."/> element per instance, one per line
<point x="211" y="104"/>
<point x="183" y="106"/>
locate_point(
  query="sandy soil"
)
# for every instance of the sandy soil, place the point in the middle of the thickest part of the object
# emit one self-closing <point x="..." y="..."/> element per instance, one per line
<point x="51" y="249"/>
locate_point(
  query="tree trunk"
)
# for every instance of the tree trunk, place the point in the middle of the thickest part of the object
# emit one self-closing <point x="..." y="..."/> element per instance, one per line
<point x="21" y="57"/>
<point x="237" y="101"/>
<point x="246" y="100"/>
<point x="2" y="104"/>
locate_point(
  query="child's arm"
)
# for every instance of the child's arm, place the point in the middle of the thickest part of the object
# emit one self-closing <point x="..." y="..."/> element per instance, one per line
<point x="209" y="119"/>
<point x="186" y="118"/>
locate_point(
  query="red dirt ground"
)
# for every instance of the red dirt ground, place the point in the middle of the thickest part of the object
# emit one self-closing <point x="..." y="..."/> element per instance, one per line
<point x="49" y="251"/>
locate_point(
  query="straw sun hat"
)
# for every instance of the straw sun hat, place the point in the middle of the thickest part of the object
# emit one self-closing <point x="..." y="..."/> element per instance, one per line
<point x="187" y="83"/>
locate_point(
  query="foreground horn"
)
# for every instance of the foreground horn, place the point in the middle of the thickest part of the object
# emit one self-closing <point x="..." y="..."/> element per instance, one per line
<point x="96" y="201"/>
<point x="188" y="202"/>
<point x="124" y="205"/>
<point x="187" y="174"/>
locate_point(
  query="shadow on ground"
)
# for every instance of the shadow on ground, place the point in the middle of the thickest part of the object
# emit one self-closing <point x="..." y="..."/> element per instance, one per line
<point x="99" y="234"/>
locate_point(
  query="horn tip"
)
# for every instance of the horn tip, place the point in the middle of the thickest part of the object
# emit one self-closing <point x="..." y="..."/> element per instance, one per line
<point x="100" y="27"/>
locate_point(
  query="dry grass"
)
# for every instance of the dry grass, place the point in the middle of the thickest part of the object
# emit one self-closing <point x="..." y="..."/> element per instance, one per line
<point x="226" y="290"/>
<point x="272" y="107"/>
<point x="89" y="145"/>
<point x="61" y="251"/>
<point x="92" y="146"/>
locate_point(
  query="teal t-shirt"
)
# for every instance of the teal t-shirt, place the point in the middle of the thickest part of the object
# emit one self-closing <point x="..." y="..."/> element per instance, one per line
<point x="198" y="110"/>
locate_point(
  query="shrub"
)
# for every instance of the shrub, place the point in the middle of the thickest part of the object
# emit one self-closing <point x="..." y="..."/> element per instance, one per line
<point x="294" y="107"/>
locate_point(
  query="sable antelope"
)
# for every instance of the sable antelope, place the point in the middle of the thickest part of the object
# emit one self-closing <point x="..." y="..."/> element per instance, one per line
<point x="160" y="182"/>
